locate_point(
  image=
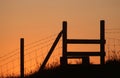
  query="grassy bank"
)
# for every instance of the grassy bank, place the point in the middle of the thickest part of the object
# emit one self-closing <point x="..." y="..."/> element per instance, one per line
<point x="110" y="70"/>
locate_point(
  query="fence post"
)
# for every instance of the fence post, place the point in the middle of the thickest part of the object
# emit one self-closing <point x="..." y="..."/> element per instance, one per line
<point x="22" y="58"/>
<point x="102" y="38"/>
<point x="64" y="44"/>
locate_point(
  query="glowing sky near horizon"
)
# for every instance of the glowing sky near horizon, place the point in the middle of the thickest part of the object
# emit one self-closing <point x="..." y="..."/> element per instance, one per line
<point x="32" y="19"/>
<point x="36" y="19"/>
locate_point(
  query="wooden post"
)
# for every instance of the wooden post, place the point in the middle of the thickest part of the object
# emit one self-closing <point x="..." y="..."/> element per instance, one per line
<point x="85" y="60"/>
<point x="22" y="57"/>
<point x="64" y="44"/>
<point x="102" y="44"/>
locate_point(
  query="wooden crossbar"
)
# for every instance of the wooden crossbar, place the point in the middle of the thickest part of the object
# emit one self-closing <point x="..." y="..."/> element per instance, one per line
<point x="83" y="41"/>
<point x="79" y="54"/>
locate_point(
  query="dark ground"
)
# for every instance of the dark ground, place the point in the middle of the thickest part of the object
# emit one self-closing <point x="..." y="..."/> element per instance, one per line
<point x="109" y="70"/>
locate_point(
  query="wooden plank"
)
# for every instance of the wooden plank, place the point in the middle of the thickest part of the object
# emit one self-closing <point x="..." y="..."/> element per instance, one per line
<point x="102" y="38"/>
<point x="22" y="58"/>
<point x="64" y="40"/>
<point x="51" y="51"/>
<point x="72" y="57"/>
<point x="64" y="44"/>
<point x="83" y="41"/>
<point x="79" y="54"/>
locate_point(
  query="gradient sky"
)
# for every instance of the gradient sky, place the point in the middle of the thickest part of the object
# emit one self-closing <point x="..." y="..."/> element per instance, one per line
<point x="36" y="19"/>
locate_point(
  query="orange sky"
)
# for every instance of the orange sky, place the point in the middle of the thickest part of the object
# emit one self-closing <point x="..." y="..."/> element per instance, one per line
<point x="32" y="19"/>
<point x="36" y="19"/>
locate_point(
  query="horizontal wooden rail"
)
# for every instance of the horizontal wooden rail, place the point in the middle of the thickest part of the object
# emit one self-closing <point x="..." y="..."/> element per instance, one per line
<point x="80" y="54"/>
<point x="75" y="57"/>
<point x="83" y="41"/>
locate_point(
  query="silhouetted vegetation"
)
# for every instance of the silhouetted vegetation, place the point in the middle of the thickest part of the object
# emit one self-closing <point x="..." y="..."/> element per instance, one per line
<point x="110" y="70"/>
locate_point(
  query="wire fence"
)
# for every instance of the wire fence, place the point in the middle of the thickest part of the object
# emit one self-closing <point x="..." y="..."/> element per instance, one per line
<point x="36" y="52"/>
<point x="34" y="55"/>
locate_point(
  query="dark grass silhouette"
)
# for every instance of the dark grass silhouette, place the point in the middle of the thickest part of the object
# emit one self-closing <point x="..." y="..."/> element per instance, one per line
<point x="110" y="70"/>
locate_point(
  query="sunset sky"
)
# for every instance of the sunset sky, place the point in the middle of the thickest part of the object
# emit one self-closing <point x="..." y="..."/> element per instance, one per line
<point x="36" y="19"/>
<point x="33" y="19"/>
